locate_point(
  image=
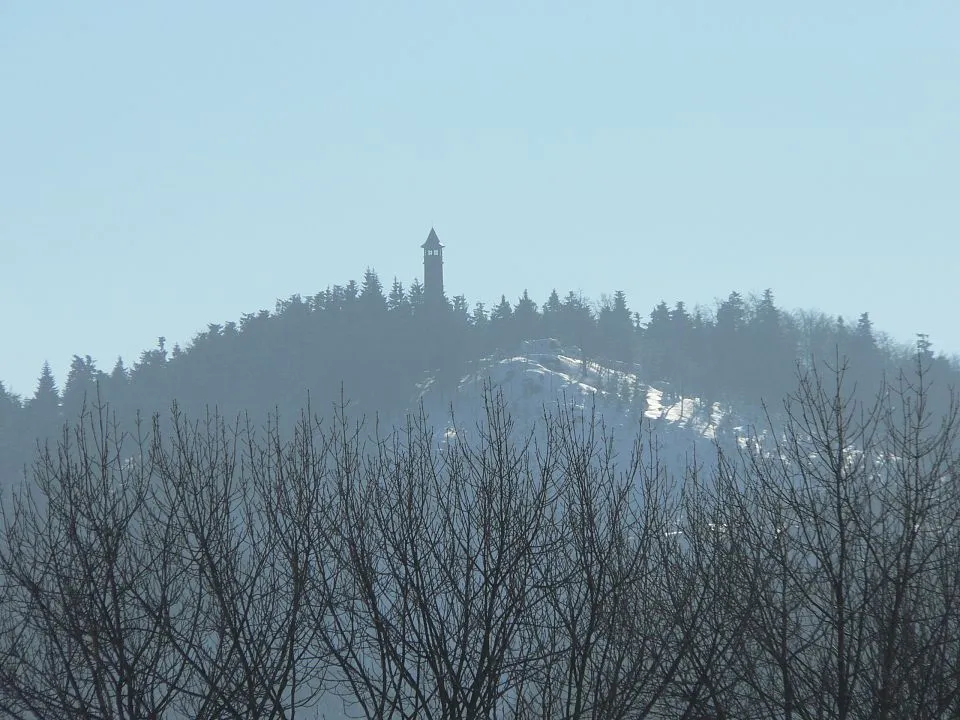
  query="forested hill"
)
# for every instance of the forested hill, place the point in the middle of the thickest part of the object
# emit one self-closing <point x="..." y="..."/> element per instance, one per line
<point x="375" y="345"/>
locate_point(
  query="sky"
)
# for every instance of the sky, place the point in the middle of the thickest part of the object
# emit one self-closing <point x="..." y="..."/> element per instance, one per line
<point x="166" y="165"/>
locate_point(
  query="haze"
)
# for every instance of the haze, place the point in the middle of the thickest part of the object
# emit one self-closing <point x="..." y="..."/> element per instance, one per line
<point x="166" y="166"/>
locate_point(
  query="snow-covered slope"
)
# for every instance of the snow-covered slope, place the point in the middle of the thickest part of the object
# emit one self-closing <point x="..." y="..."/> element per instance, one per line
<point x="545" y="377"/>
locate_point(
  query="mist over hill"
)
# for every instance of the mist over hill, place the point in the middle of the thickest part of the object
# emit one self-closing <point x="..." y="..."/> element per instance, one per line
<point x="538" y="533"/>
<point x="377" y="347"/>
<point x="379" y="503"/>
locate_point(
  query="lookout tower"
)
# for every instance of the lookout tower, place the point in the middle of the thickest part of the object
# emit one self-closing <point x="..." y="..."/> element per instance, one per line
<point x="432" y="268"/>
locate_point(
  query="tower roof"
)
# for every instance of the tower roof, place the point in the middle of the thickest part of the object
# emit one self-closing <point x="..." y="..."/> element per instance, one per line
<point x="432" y="240"/>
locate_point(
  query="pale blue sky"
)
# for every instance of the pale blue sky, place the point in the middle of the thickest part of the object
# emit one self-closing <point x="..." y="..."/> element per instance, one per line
<point x="165" y="165"/>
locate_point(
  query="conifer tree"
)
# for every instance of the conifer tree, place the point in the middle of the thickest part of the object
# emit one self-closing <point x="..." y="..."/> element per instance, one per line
<point x="502" y="312"/>
<point x="616" y="328"/>
<point x="864" y="331"/>
<point x="119" y="373"/>
<point x="526" y="318"/>
<point x="729" y="345"/>
<point x="461" y="310"/>
<point x="397" y="301"/>
<point x="501" y="325"/>
<point x="371" y="293"/>
<point x="416" y="296"/>
<point x="8" y="401"/>
<point x="46" y="398"/>
<point x="579" y="326"/>
<point x="479" y="316"/>
<point x="658" y="343"/>
<point x="351" y="292"/>
<point x="11" y="439"/>
<point x="81" y="385"/>
<point x="43" y="409"/>
<point x="770" y="351"/>
<point x="551" y="315"/>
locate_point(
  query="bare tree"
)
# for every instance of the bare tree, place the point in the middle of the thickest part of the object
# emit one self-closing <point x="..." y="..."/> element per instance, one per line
<point x="851" y="515"/>
<point x="77" y="554"/>
<point x="239" y="511"/>
<point x="612" y="639"/>
<point x="147" y="577"/>
<point x="433" y="560"/>
<point x="722" y="601"/>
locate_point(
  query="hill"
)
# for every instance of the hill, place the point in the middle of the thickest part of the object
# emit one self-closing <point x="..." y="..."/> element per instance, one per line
<point x="377" y="349"/>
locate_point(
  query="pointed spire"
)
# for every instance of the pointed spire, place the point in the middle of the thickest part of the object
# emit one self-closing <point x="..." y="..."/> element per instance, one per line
<point x="432" y="240"/>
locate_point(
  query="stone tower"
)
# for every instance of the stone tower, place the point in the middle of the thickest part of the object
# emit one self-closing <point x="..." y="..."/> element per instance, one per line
<point x="432" y="269"/>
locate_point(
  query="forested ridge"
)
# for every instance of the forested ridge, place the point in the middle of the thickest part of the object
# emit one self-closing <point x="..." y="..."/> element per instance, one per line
<point x="375" y="344"/>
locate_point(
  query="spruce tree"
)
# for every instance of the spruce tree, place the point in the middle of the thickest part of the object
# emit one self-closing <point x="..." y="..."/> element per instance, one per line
<point x="526" y="319"/>
<point x="46" y="398"/>
<point x="80" y="388"/>
<point x="415" y="295"/>
<point x="43" y="409"/>
<point x="371" y="298"/>
<point x="397" y="301"/>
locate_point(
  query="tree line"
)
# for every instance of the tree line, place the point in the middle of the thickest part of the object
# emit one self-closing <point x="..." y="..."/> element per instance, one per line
<point x="205" y="568"/>
<point x="378" y="345"/>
